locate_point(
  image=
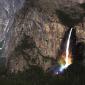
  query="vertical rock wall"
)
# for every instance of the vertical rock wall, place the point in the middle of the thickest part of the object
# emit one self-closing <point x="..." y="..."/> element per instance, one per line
<point x="35" y="36"/>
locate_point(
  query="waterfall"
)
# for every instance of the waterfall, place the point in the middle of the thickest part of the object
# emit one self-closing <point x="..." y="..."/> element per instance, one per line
<point x="67" y="48"/>
<point x="66" y="56"/>
<point x="67" y="52"/>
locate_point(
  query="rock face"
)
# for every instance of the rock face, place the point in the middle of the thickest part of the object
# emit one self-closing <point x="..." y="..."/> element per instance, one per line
<point x="35" y="36"/>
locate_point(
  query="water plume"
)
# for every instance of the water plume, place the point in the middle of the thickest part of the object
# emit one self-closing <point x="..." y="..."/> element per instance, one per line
<point x="68" y="54"/>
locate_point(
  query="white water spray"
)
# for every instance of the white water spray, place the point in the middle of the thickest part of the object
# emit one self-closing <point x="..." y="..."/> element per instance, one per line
<point x="67" y="52"/>
<point x="67" y="48"/>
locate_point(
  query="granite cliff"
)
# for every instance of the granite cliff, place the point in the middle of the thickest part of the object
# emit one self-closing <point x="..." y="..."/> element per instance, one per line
<point x="36" y="34"/>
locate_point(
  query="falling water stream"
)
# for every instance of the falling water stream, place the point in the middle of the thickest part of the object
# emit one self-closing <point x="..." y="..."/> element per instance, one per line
<point x="66" y="56"/>
<point x="67" y="63"/>
<point x="67" y="48"/>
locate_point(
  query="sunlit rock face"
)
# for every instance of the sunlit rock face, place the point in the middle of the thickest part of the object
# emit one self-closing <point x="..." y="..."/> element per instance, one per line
<point x="35" y="36"/>
<point x="44" y="29"/>
<point x="7" y="10"/>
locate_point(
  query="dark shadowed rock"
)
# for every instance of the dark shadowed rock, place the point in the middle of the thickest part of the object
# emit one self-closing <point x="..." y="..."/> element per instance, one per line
<point x="70" y="15"/>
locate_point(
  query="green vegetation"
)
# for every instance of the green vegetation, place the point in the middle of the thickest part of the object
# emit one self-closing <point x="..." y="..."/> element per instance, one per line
<point x="36" y="76"/>
<point x="1" y="46"/>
